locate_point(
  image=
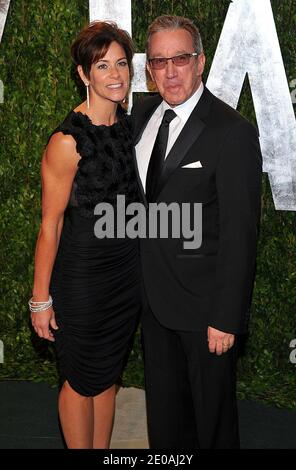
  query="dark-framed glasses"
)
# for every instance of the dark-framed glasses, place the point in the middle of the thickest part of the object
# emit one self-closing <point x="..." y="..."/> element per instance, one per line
<point x="158" y="63"/>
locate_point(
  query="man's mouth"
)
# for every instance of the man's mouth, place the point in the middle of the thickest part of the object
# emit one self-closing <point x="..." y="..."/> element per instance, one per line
<point x="172" y="86"/>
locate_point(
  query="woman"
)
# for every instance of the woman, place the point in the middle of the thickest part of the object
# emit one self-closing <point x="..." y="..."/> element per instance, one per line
<point x="86" y="294"/>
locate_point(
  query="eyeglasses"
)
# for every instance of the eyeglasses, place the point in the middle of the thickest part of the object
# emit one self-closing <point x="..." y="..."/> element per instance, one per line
<point x="158" y="63"/>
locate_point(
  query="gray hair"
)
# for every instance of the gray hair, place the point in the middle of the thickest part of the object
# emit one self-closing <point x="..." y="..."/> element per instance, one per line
<point x="170" y="22"/>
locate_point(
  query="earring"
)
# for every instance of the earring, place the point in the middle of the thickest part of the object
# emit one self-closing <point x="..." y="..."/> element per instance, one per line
<point x="124" y="100"/>
<point x="87" y="95"/>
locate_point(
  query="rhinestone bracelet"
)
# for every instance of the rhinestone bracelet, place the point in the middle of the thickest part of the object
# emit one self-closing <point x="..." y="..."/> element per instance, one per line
<point x="39" y="306"/>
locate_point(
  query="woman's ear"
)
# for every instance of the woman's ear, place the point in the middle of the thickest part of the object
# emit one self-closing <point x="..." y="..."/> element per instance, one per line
<point x="82" y="75"/>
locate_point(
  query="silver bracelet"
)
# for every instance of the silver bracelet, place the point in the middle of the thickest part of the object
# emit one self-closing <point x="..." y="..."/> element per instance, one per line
<point x="39" y="306"/>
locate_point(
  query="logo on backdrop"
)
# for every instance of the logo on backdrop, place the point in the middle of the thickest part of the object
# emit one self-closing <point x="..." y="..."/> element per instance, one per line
<point x="293" y="352"/>
<point x="244" y="48"/>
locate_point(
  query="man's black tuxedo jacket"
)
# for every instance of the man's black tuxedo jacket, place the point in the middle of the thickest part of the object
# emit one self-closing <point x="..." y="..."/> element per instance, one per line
<point x="211" y="286"/>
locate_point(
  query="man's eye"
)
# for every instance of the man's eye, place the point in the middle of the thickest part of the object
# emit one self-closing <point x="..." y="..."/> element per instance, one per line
<point x="159" y="61"/>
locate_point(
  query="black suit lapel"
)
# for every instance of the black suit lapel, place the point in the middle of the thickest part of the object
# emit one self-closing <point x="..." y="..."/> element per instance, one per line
<point x="141" y="118"/>
<point x="139" y="178"/>
<point x="189" y="134"/>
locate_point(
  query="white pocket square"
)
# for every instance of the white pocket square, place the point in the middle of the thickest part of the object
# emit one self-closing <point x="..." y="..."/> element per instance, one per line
<point x="193" y="165"/>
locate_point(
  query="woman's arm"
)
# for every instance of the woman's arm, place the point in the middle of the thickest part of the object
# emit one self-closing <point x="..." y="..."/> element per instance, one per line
<point x="58" y="169"/>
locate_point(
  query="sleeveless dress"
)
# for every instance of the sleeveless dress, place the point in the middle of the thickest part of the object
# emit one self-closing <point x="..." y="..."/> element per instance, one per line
<point x="95" y="283"/>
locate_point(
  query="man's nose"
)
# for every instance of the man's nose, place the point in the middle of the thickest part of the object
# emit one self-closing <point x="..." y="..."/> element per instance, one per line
<point x="171" y="69"/>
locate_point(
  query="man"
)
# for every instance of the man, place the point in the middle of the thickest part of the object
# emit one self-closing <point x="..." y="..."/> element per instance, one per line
<point x="192" y="147"/>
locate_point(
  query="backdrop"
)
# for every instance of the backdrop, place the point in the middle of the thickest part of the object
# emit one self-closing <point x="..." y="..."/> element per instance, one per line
<point x="38" y="91"/>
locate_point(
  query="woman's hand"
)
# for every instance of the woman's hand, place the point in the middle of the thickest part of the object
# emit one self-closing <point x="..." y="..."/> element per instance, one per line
<point x="43" y="322"/>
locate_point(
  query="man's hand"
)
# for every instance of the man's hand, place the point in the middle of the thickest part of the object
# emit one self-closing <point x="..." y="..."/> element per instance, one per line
<point x="219" y="342"/>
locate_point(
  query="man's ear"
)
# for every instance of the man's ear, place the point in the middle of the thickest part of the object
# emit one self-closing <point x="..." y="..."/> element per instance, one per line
<point x="201" y="61"/>
<point x="150" y="71"/>
<point x="82" y="75"/>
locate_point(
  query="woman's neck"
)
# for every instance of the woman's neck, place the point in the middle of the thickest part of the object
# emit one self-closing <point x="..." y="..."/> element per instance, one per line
<point x="99" y="114"/>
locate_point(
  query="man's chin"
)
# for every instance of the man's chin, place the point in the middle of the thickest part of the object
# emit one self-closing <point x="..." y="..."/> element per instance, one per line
<point x="174" y="98"/>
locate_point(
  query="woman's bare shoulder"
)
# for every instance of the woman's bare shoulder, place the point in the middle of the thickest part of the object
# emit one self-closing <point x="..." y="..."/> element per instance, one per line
<point x="61" y="151"/>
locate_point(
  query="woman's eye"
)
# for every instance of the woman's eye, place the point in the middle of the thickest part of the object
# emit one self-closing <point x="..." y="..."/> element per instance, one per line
<point x="122" y="63"/>
<point x="102" y="66"/>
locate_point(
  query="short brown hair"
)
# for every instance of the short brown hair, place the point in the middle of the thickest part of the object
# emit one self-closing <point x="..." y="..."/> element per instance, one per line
<point x="170" y="22"/>
<point x="94" y="41"/>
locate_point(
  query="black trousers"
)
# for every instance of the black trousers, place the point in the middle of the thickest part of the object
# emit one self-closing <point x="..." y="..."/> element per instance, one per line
<point x="190" y="392"/>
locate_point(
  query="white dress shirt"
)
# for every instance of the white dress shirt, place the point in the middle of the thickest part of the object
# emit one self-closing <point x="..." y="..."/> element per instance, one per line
<point x="146" y="143"/>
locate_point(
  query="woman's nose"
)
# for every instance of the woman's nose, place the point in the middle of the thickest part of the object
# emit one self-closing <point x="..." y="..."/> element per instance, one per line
<point x="114" y="72"/>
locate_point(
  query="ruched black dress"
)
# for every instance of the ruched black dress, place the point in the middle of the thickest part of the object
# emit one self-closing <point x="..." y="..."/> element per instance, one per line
<point x="95" y="283"/>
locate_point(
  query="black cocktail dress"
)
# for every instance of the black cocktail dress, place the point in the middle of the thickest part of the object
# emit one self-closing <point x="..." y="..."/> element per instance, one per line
<point x="95" y="283"/>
